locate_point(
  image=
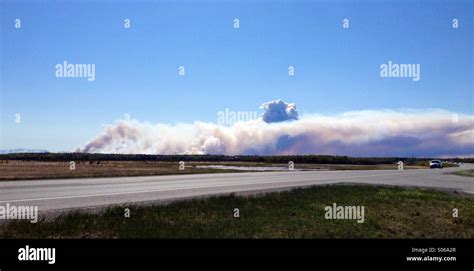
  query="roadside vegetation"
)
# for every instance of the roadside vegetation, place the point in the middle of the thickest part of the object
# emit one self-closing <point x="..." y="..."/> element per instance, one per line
<point x="390" y="212"/>
<point x="465" y="173"/>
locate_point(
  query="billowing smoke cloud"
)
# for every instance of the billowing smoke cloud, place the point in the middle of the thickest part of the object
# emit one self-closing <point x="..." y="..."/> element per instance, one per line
<point x="278" y="110"/>
<point x="428" y="133"/>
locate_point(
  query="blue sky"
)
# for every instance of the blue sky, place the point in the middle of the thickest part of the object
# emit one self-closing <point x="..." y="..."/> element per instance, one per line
<point x="337" y="69"/>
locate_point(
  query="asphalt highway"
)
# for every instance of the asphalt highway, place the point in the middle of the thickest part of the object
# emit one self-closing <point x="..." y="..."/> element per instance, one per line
<point x="60" y="194"/>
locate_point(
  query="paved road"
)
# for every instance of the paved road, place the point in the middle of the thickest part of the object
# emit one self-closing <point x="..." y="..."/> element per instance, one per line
<point x="53" y="195"/>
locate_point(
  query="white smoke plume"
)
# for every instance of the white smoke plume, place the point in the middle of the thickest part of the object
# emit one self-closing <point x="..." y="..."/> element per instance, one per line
<point x="428" y="133"/>
<point x="278" y="110"/>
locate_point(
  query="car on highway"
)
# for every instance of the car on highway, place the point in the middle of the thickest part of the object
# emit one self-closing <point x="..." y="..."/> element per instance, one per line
<point x="436" y="164"/>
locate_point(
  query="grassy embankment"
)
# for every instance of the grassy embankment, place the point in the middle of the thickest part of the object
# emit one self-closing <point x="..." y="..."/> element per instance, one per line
<point x="389" y="213"/>
<point x="465" y="173"/>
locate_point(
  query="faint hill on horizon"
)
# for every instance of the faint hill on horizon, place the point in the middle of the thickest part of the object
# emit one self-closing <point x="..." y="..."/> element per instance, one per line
<point x="21" y="150"/>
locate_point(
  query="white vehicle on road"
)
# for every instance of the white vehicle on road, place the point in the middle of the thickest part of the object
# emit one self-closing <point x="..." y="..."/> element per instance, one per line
<point x="436" y="164"/>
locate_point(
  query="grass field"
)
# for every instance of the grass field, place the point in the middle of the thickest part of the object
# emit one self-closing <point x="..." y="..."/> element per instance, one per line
<point x="389" y="213"/>
<point x="24" y="170"/>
